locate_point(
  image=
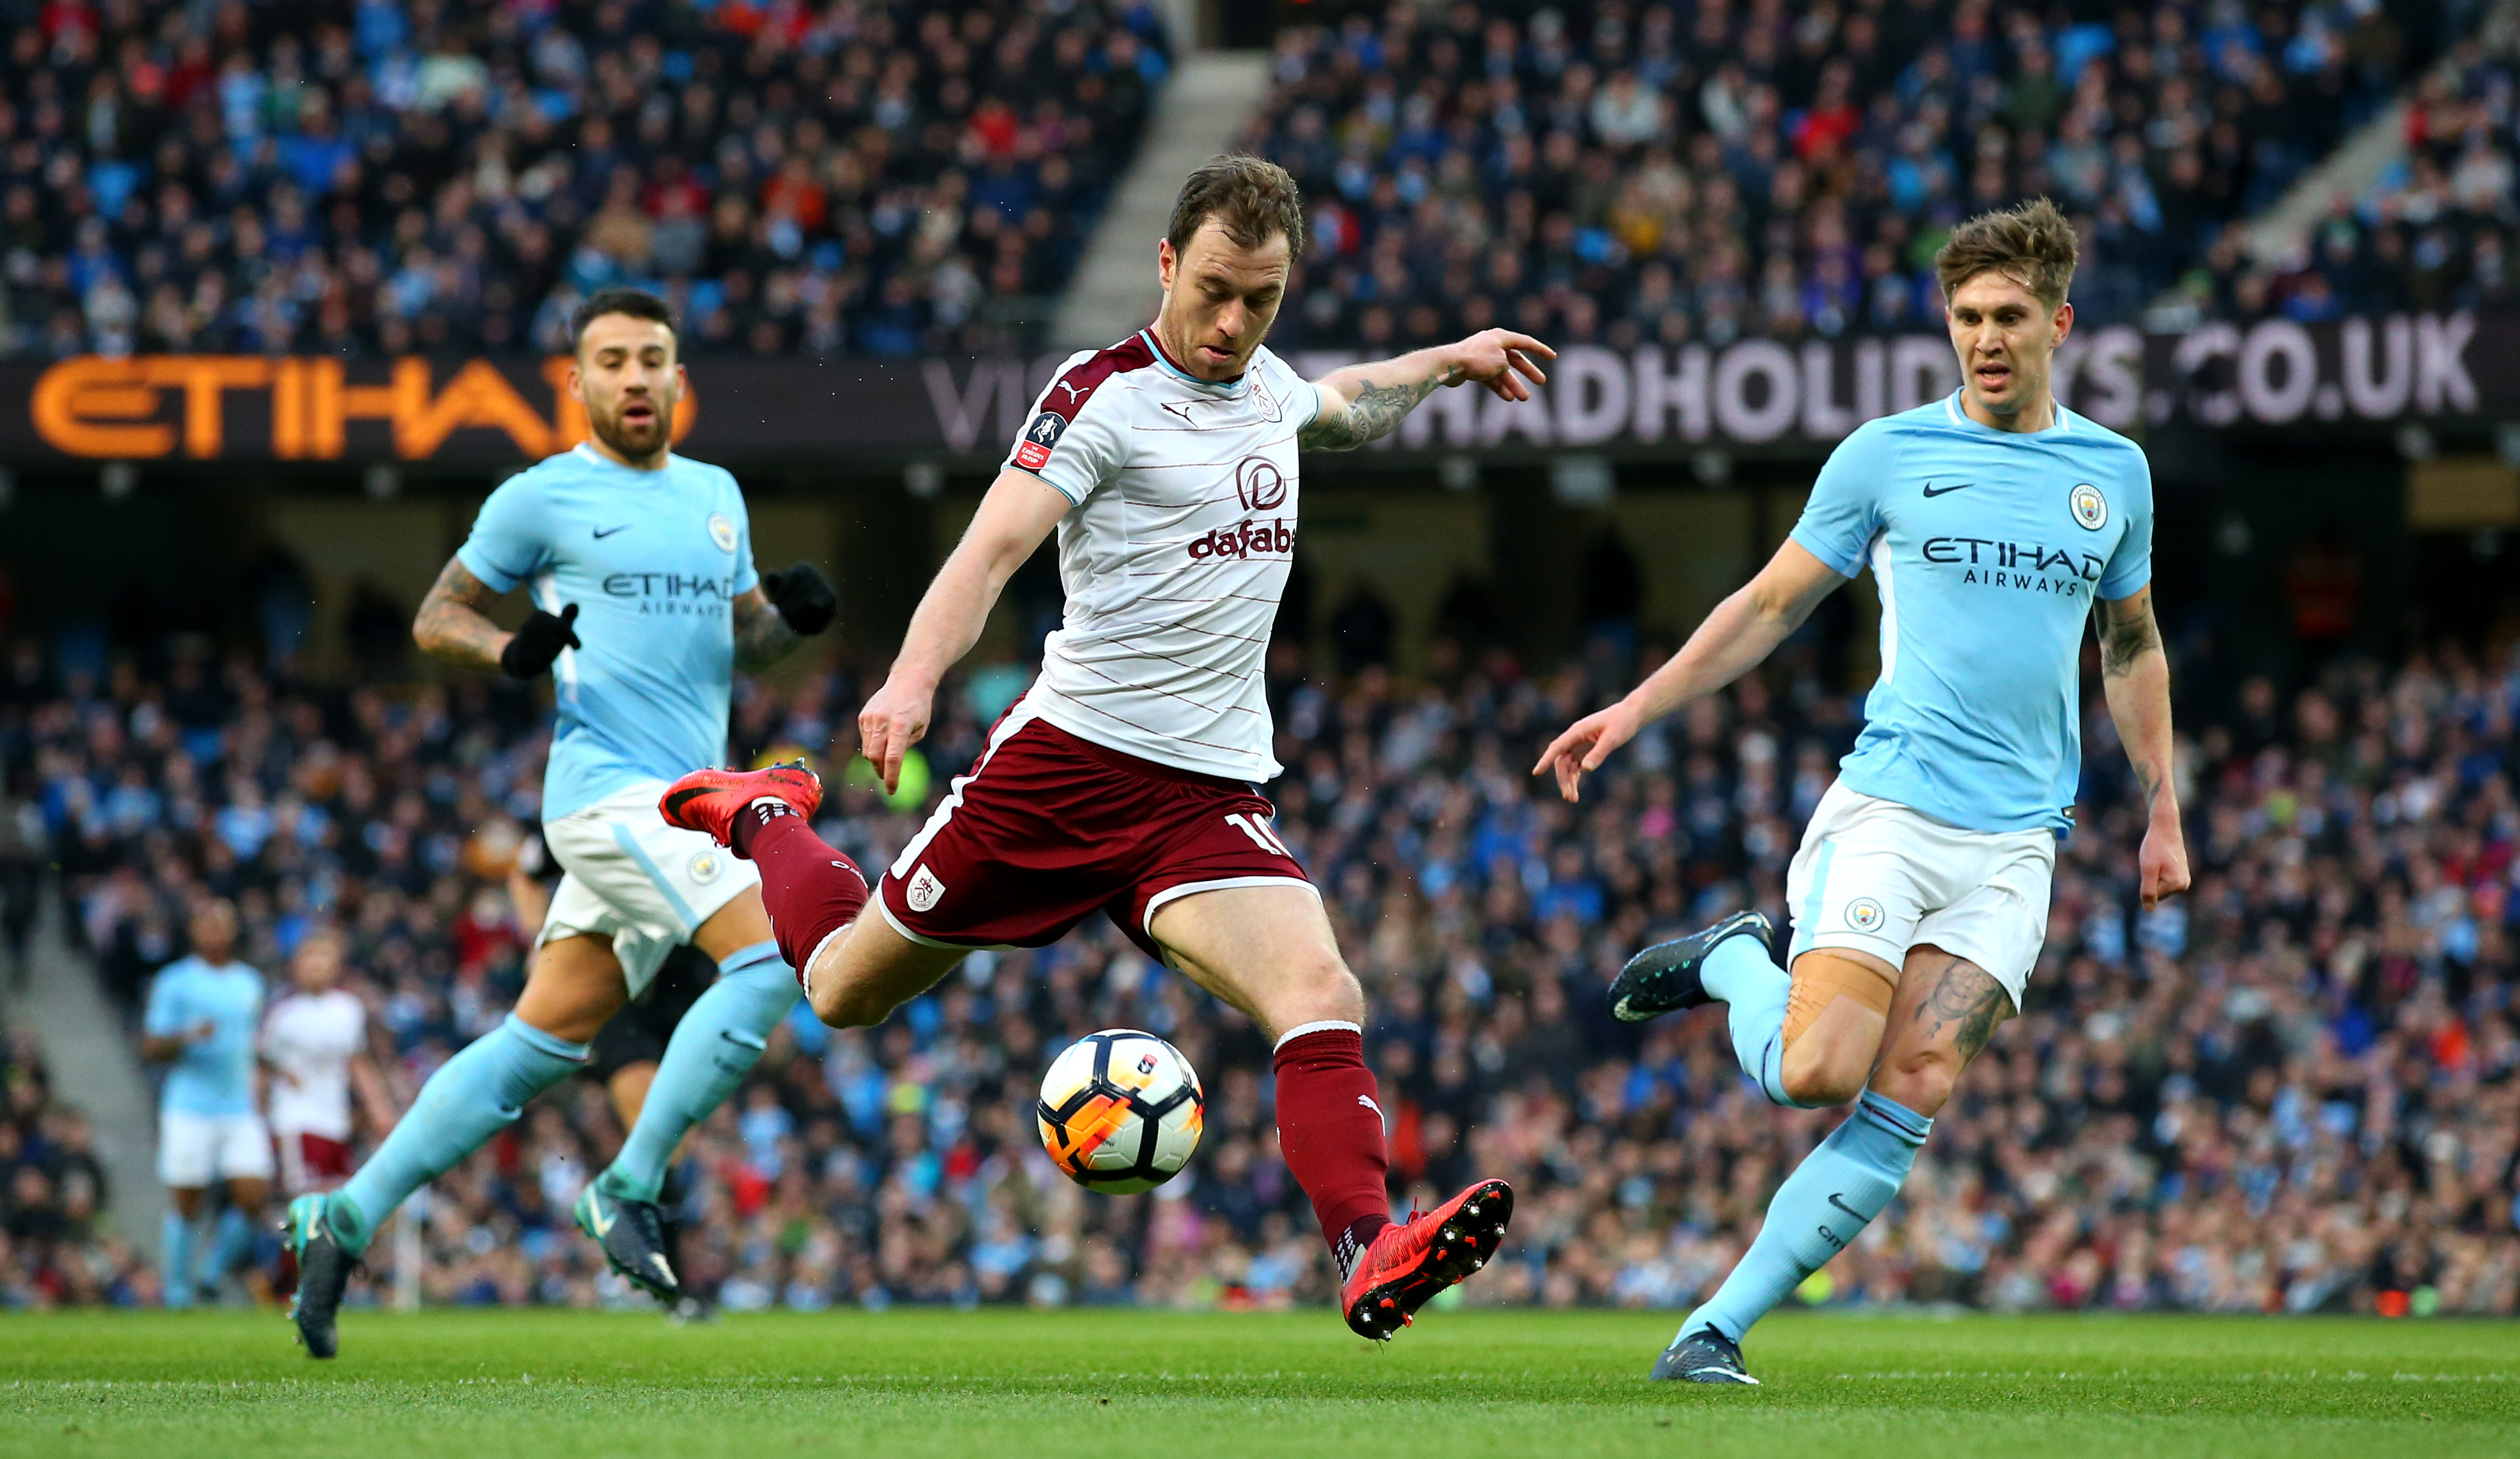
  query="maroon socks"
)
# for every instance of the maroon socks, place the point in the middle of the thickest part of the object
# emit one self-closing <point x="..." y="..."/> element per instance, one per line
<point x="810" y="890"/>
<point x="1329" y="1131"/>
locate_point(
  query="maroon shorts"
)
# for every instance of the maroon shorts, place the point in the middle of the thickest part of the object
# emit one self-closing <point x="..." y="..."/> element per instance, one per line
<point x="312" y="1163"/>
<point x="1048" y="826"/>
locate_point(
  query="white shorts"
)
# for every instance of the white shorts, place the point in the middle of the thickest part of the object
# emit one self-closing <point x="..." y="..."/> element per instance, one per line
<point x="634" y="878"/>
<point x="1876" y="877"/>
<point x="198" y="1150"/>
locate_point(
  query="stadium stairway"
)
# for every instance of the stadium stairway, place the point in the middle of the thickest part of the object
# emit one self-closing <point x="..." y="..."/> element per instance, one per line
<point x="2282" y="234"/>
<point x="94" y="1068"/>
<point x="1204" y="108"/>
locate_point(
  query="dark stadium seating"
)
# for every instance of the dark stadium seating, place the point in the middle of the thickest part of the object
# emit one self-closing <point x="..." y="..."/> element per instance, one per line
<point x="453" y="174"/>
<point x="2296" y="1089"/>
<point x="1624" y="172"/>
<point x="2438" y="231"/>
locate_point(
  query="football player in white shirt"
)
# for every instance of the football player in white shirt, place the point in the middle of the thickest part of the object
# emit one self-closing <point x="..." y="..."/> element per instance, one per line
<point x="315" y="1050"/>
<point x="1124" y="780"/>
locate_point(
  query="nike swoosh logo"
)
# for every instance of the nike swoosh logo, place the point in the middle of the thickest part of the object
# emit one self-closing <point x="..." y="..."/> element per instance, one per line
<point x="602" y="532"/>
<point x="603" y="1223"/>
<point x="1849" y="1209"/>
<point x="1931" y="490"/>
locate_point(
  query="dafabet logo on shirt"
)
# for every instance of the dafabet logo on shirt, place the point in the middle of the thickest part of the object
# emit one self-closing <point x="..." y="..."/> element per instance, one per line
<point x="1259" y="484"/>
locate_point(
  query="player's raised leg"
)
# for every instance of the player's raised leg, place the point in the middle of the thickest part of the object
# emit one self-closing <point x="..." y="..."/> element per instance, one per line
<point x="1946" y="1010"/>
<point x="809" y="891"/>
<point x="1269" y="951"/>
<point x="574" y="985"/>
<point x="1807" y="1040"/>
<point x="854" y="972"/>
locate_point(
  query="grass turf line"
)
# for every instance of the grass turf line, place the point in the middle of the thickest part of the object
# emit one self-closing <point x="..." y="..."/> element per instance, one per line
<point x="1049" y="1385"/>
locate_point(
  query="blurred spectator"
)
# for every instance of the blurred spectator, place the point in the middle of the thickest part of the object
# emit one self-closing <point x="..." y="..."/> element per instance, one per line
<point x="418" y="174"/>
<point x="57" y="1244"/>
<point x="2298" y="1088"/>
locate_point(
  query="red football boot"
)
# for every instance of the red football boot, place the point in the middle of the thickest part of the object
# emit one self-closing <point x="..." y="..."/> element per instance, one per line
<point x="706" y="800"/>
<point x="1410" y="1262"/>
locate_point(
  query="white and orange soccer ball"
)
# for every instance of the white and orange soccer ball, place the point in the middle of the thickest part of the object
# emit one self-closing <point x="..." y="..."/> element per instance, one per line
<point x="1121" y="1111"/>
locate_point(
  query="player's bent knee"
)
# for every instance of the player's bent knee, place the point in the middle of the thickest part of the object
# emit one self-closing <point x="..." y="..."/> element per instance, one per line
<point x="1922" y="1079"/>
<point x="848" y="1004"/>
<point x="1834" y="1018"/>
<point x="1325" y="991"/>
<point x="1813" y="1075"/>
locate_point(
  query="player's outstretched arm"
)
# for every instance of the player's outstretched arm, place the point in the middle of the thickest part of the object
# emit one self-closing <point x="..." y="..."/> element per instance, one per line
<point x="1364" y="401"/>
<point x="2134" y="675"/>
<point x="1743" y="629"/>
<point x="1018" y="512"/>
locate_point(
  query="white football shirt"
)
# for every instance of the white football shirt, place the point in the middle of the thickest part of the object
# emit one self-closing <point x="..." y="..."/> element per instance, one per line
<point x="312" y="1037"/>
<point x="1175" y="554"/>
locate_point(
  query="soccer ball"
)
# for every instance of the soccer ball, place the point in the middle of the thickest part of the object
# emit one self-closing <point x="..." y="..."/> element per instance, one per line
<point x="1121" y="1111"/>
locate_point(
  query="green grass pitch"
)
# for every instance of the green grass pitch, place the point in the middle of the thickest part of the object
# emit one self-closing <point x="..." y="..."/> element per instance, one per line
<point x="1046" y="1385"/>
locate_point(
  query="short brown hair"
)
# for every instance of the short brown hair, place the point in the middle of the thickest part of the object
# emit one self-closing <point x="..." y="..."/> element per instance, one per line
<point x="2031" y="243"/>
<point x="638" y="303"/>
<point x="1252" y="196"/>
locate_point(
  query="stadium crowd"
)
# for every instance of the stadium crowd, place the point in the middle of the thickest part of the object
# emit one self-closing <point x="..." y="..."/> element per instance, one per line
<point x="2436" y="230"/>
<point x="2296" y="1089"/>
<point x="892" y="179"/>
<point x="1704" y="168"/>
<point x="57" y="1242"/>
<point x="391" y="176"/>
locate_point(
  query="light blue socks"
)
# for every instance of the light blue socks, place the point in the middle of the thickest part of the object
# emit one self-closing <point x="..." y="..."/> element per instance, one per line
<point x="713" y="1047"/>
<point x="230" y="1245"/>
<point x="1832" y="1197"/>
<point x="472" y="1097"/>
<point x="176" y="1240"/>
<point x="189" y="1268"/>
<point x="1753" y="989"/>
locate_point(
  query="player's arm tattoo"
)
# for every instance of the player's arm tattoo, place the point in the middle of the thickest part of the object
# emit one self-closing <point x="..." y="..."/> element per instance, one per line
<point x="2127" y="632"/>
<point x="1964" y="1006"/>
<point x="1375" y="411"/>
<point x="451" y="625"/>
<point x="761" y="636"/>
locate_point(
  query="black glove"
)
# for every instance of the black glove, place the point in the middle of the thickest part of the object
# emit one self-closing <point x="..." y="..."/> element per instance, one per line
<point x="802" y="598"/>
<point x="539" y="641"/>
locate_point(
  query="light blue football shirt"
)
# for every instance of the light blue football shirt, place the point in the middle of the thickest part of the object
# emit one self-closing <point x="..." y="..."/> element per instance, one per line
<point x="215" y="1076"/>
<point x="653" y="560"/>
<point x="1988" y="547"/>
